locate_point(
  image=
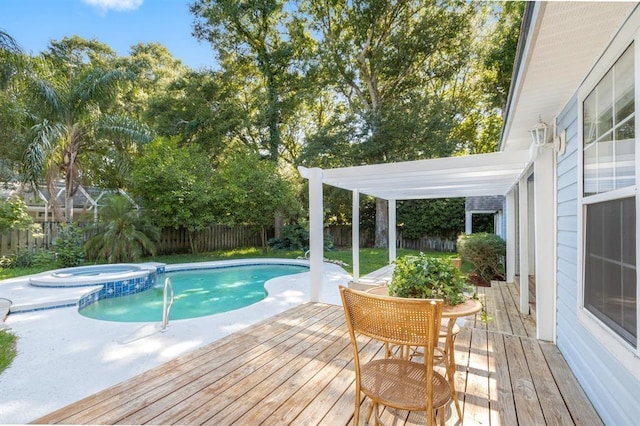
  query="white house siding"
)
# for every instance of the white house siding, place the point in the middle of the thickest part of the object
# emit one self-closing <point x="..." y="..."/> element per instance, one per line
<point x="613" y="391"/>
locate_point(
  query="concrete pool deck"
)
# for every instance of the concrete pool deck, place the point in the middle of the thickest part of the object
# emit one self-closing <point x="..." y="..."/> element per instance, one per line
<point x="64" y="356"/>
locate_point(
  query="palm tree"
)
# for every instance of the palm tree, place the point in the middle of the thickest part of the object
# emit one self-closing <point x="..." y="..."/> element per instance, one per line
<point x="71" y="121"/>
<point x="8" y="43"/>
<point x="122" y="234"/>
<point x="11" y="65"/>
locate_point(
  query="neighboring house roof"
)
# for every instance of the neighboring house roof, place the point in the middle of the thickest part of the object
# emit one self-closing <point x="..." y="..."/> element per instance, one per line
<point x="557" y="48"/>
<point x="85" y="197"/>
<point x="487" y="203"/>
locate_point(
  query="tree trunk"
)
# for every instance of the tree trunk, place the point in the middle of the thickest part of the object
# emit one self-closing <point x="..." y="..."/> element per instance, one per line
<point x="382" y="224"/>
<point x="263" y="237"/>
<point x="273" y="119"/>
<point x="277" y="225"/>
<point x="68" y="208"/>
<point x="192" y="244"/>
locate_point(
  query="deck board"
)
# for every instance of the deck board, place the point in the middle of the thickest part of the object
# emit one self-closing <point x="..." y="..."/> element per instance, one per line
<point x="296" y="368"/>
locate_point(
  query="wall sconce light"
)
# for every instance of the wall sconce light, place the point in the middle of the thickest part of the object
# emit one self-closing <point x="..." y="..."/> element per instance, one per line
<point x="543" y="136"/>
<point x="540" y="133"/>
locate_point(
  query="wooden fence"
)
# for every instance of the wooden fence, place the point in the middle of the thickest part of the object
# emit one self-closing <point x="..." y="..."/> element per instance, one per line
<point x="215" y="237"/>
<point x="341" y="235"/>
<point x="218" y="237"/>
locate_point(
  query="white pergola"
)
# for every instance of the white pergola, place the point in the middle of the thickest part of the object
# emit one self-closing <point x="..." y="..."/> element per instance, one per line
<point x="481" y="174"/>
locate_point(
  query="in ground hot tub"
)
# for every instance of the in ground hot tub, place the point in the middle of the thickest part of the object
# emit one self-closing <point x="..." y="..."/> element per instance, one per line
<point x="117" y="280"/>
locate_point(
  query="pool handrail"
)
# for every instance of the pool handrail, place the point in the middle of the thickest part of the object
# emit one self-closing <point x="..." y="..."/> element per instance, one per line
<point x="166" y="306"/>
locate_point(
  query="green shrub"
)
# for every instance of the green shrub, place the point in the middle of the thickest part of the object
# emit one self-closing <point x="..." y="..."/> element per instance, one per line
<point x="293" y="237"/>
<point x="43" y="257"/>
<point x="6" y="262"/>
<point x="22" y="259"/>
<point x="69" y="243"/>
<point x="486" y="252"/>
<point x="296" y="237"/>
<point x="428" y="277"/>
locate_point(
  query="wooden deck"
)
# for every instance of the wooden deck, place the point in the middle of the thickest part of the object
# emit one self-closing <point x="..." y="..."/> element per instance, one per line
<point x="295" y="368"/>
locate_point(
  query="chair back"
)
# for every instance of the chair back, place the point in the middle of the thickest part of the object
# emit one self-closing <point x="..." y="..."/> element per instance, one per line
<point x="397" y="320"/>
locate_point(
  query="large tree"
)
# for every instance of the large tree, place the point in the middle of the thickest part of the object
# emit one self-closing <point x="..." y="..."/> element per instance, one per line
<point x="251" y="191"/>
<point x="175" y="185"/>
<point x="394" y="61"/>
<point x="70" y="101"/>
<point x="153" y="70"/>
<point x="263" y="45"/>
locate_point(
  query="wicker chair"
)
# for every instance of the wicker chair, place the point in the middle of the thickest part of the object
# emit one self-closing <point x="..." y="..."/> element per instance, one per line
<point x="395" y="382"/>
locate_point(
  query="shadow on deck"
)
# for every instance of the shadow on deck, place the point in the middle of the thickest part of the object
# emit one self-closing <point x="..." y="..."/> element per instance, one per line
<point x="295" y="368"/>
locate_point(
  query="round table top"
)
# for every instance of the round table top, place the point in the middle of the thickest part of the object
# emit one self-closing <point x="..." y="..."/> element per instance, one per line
<point x="470" y="307"/>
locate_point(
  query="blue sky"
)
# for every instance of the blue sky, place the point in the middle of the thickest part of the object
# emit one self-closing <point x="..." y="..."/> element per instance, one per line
<point x="117" y="23"/>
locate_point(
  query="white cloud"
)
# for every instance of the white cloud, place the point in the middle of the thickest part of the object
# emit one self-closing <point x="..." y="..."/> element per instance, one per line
<point x="118" y="5"/>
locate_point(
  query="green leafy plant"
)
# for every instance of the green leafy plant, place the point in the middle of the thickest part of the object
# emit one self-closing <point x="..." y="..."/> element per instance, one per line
<point x="22" y="259"/>
<point x="69" y="243"/>
<point x="486" y="252"/>
<point x="6" y="262"/>
<point x="296" y="237"/>
<point x="14" y="216"/>
<point x="122" y="234"/>
<point x="429" y="277"/>
<point x="43" y="257"/>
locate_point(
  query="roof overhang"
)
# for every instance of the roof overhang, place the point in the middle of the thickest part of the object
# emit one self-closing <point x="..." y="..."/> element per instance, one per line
<point x="560" y="42"/>
<point x="481" y="174"/>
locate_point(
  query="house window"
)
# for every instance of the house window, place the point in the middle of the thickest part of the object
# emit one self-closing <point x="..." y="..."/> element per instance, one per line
<point x="610" y="265"/>
<point x="609" y="199"/>
<point x="609" y="130"/>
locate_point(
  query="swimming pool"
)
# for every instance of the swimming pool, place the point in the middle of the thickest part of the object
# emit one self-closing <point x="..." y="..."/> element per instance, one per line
<point x="198" y="292"/>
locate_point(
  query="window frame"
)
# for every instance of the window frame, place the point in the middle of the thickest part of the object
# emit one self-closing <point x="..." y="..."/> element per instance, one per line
<point x="619" y="347"/>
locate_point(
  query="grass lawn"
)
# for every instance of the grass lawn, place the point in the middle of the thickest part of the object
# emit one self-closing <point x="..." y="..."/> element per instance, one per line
<point x="370" y="259"/>
<point x="7" y="349"/>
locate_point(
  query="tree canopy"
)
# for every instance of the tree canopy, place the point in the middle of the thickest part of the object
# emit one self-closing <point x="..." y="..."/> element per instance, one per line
<point x="313" y="83"/>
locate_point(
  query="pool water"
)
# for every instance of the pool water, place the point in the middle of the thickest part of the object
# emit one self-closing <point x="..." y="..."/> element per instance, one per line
<point x="197" y="293"/>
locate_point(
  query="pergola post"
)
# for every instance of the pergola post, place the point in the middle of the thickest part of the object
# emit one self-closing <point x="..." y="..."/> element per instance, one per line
<point x="392" y="231"/>
<point x="523" y="232"/>
<point x="468" y="222"/>
<point x="355" y="234"/>
<point x="316" y="232"/>
<point x="545" y="237"/>
<point x="511" y="236"/>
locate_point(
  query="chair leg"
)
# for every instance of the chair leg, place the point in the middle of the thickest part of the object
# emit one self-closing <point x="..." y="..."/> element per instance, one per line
<point x="356" y="411"/>
<point x="442" y="411"/>
<point x="376" y="408"/>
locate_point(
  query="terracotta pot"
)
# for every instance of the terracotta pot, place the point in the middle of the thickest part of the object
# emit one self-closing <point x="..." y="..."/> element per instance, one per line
<point x="457" y="262"/>
<point x="476" y="280"/>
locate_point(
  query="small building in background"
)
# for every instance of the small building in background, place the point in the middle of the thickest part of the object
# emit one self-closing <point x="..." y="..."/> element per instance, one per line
<point x="491" y="205"/>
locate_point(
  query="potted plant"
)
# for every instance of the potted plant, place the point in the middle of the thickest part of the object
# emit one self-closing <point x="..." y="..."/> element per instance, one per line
<point x="486" y="252"/>
<point x="429" y="277"/>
